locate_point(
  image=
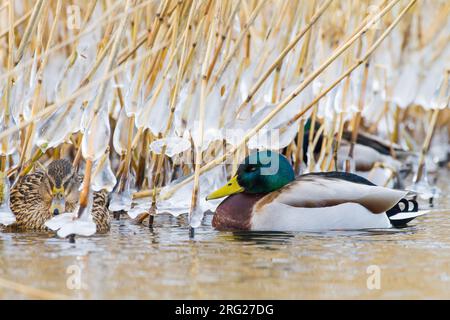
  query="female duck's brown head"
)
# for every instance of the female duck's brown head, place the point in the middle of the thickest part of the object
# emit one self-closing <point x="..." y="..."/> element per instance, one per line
<point x="61" y="186"/>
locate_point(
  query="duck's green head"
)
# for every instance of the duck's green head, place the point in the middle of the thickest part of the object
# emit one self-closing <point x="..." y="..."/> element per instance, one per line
<point x="261" y="172"/>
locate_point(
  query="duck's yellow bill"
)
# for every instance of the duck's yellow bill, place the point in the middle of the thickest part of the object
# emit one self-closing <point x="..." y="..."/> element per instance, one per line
<point x="230" y="188"/>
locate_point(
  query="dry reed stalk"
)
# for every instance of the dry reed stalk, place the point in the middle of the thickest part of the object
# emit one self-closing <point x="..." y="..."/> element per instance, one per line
<point x="282" y="55"/>
<point x="158" y="89"/>
<point x="345" y="75"/>
<point x="237" y="44"/>
<point x="35" y="15"/>
<point x="313" y="143"/>
<point x="357" y="118"/>
<point x="437" y="25"/>
<point x="100" y="163"/>
<point x="299" y="152"/>
<point x="127" y="160"/>
<point x="303" y="56"/>
<point x="203" y="94"/>
<point x="192" y="47"/>
<point x="222" y="38"/>
<point x="17" y="23"/>
<point x="36" y="106"/>
<point x="301" y="87"/>
<point x="131" y="120"/>
<point x="27" y="146"/>
<point x="44" y="57"/>
<point x="175" y="91"/>
<point x="84" y="195"/>
<point x="143" y="154"/>
<point x="85" y="31"/>
<point x="78" y="155"/>
<point x="85" y="89"/>
<point x="430" y="132"/>
<point x="311" y="135"/>
<point x="328" y="156"/>
<point x="6" y="100"/>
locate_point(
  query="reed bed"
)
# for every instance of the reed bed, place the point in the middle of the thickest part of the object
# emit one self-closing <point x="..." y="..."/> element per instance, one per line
<point x="158" y="101"/>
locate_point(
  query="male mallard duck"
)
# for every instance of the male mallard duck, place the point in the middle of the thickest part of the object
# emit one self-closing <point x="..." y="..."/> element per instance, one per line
<point x="39" y="196"/>
<point x="264" y="195"/>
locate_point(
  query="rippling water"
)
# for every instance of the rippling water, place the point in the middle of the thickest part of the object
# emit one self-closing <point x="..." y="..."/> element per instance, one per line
<point x="163" y="263"/>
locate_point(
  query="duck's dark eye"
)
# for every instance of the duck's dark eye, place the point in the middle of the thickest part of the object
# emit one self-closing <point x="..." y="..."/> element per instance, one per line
<point x="251" y="169"/>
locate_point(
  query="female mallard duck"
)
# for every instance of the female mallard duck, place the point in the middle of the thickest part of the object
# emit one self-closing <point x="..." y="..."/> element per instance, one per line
<point x="264" y="195"/>
<point x="39" y="196"/>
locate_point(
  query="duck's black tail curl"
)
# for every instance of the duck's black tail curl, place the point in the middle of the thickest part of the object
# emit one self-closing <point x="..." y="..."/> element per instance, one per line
<point x="403" y="212"/>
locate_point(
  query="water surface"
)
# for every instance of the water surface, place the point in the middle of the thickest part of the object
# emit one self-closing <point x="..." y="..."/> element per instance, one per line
<point x="163" y="263"/>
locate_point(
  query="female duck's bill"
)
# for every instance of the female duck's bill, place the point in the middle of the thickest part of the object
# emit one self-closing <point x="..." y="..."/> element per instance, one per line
<point x="277" y="201"/>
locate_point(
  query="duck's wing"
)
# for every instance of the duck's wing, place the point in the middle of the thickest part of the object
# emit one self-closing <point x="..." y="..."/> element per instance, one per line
<point x="318" y="190"/>
<point x="25" y="193"/>
<point x="27" y="202"/>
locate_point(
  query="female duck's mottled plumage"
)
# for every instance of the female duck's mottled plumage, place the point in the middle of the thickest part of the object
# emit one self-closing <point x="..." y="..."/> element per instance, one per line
<point x="35" y="197"/>
<point x="311" y="202"/>
<point x="100" y="211"/>
<point x="28" y="203"/>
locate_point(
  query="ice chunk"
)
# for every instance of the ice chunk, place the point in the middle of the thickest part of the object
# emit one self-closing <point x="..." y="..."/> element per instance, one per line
<point x="407" y="85"/>
<point x="441" y="95"/>
<point x="104" y="178"/>
<point x="7" y="217"/>
<point x="121" y="200"/>
<point x="174" y="145"/>
<point x="155" y="113"/>
<point x="134" y="101"/>
<point x="68" y="224"/>
<point x="180" y="202"/>
<point x="8" y="145"/>
<point x="95" y="139"/>
<point x="136" y="211"/>
<point x="120" y="136"/>
<point x="196" y="217"/>
<point x="53" y="130"/>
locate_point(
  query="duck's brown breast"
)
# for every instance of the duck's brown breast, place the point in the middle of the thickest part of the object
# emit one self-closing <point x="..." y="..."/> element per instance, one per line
<point x="235" y="212"/>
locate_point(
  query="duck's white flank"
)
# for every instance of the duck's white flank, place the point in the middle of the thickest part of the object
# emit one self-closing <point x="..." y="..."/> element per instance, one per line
<point x="346" y="216"/>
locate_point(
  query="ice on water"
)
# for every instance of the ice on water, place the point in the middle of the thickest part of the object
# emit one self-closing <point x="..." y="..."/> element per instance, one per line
<point x="7" y="217"/>
<point x="68" y="224"/>
<point x="121" y="200"/>
<point x="180" y="202"/>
